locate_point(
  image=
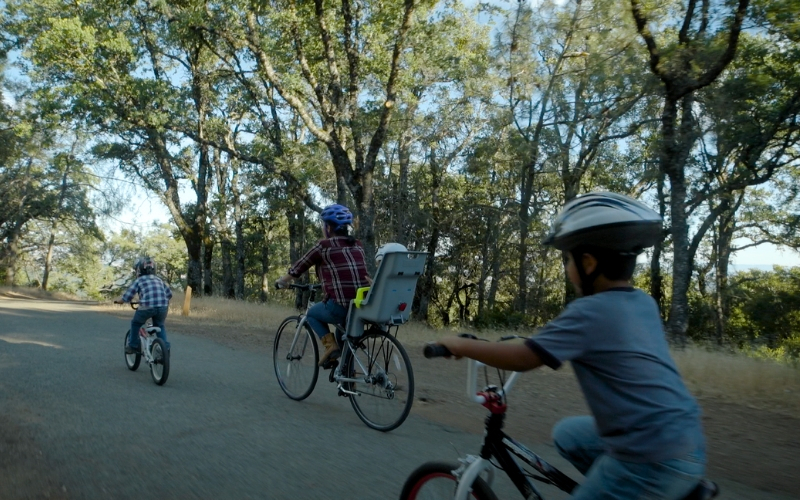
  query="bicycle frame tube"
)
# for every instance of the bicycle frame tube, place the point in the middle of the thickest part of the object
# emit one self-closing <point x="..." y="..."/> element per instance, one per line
<point x="498" y="445"/>
<point x="550" y="473"/>
<point x="346" y="352"/>
<point x="297" y="332"/>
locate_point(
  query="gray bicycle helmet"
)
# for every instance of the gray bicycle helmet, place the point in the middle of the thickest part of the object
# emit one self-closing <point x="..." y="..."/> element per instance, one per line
<point x="144" y="266"/>
<point x="609" y="221"/>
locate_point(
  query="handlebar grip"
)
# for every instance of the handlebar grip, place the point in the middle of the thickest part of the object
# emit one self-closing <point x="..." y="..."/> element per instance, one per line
<point x="436" y="351"/>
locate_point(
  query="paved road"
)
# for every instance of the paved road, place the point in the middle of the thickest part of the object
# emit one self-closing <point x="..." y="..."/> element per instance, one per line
<point x="75" y="423"/>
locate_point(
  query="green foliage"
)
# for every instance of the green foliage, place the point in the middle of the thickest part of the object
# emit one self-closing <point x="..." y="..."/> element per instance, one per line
<point x="485" y="140"/>
<point x="770" y="304"/>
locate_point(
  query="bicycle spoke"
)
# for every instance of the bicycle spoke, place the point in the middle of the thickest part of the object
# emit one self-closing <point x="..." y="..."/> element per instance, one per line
<point x="295" y="358"/>
<point x="385" y="393"/>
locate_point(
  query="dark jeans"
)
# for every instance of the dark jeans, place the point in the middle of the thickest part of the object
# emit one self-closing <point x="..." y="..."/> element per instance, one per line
<point x="323" y="313"/>
<point x="159" y="315"/>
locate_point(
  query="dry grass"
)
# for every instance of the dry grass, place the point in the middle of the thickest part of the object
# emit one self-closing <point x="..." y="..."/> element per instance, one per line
<point x="216" y="311"/>
<point x="19" y="292"/>
<point x="736" y="377"/>
<point x="733" y="377"/>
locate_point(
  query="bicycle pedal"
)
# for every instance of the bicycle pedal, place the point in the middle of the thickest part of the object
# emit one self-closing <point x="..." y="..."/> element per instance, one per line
<point x="330" y="364"/>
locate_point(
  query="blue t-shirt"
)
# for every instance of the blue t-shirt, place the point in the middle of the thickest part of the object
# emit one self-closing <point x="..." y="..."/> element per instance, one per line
<point x="618" y="349"/>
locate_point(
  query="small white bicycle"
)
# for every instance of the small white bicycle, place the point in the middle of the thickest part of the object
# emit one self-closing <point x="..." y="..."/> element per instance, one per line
<point x="153" y="349"/>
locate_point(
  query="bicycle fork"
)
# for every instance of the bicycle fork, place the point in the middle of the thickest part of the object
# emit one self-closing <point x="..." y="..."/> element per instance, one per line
<point x="471" y="468"/>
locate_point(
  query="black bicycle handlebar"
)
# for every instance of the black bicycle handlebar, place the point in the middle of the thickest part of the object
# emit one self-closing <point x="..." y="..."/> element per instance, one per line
<point x="309" y="286"/>
<point x="436" y="351"/>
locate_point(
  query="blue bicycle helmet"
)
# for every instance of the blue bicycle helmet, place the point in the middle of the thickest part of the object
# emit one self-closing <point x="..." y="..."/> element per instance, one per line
<point x="337" y="215"/>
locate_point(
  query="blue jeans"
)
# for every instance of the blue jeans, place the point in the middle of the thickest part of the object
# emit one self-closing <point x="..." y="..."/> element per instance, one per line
<point x="322" y="314"/>
<point x="159" y="315"/>
<point x="607" y="478"/>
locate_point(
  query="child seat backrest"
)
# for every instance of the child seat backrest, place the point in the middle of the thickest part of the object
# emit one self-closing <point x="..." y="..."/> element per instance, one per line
<point x="391" y="295"/>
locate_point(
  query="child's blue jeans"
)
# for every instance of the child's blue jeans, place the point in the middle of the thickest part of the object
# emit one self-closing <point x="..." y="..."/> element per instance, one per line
<point x="159" y="315"/>
<point x="607" y="478"/>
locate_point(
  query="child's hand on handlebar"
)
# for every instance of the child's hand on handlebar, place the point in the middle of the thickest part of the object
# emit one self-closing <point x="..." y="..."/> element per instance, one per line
<point x="452" y="344"/>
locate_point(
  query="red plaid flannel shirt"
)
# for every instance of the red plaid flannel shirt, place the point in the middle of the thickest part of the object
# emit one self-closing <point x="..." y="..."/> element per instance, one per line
<point x="340" y="267"/>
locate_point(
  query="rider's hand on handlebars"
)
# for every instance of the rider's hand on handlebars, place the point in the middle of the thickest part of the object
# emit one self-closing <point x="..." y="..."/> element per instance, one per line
<point x="452" y="344"/>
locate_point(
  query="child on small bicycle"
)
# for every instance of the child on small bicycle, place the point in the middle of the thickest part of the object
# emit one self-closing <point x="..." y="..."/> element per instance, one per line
<point x="644" y="438"/>
<point x="154" y="297"/>
<point x="341" y="268"/>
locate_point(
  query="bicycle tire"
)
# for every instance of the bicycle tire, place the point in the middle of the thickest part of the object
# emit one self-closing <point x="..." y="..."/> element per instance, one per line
<point x="159" y="369"/>
<point x="297" y="370"/>
<point x="383" y="400"/>
<point x="131" y="360"/>
<point x="419" y="485"/>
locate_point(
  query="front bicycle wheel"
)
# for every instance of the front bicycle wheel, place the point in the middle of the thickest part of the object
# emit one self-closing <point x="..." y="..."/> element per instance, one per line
<point x="295" y="356"/>
<point x="131" y="360"/>
<point x="159" y="369"/>
<point x="436" y="481"/>
<point x="384" y="390"/>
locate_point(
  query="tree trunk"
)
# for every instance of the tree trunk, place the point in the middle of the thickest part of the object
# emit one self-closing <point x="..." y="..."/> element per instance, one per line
<point x="656" y="278"/>
<point x="12" y="249"/>
<point x="48" y="259"/>
<point x="524" y="217"/>
<point x="265" y="284"/>
<point x="296" y="219"/>
<point x="401" y="193"/>
<point x="208" y="257"/>
<point x="425" y="288"/>
<point x="723" y="248"/>
<point x="240" y="259"/>
<point x="228" y="286"/>
<point x="675" y="148"/>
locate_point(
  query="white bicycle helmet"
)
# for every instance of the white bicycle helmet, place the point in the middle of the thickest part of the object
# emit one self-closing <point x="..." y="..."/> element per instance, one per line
<point x="388" y="248"/>
<point x="609" y="221"/>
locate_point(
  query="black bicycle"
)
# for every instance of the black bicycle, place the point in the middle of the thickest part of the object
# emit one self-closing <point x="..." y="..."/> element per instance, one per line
<point x="441" y="480"/>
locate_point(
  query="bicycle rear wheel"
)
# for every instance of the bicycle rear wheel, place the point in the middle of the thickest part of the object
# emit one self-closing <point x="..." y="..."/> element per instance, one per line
<point x="295" y="356"/>
<point x="131" y="360"/>
<point x="159" y="369"/>
<point x="435" y="481"/>
<point x="384" y="392"/>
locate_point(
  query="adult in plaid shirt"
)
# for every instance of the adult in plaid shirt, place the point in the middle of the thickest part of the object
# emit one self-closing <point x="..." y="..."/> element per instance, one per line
<point x="154" y="297"/>
<point x="341" y="267"/>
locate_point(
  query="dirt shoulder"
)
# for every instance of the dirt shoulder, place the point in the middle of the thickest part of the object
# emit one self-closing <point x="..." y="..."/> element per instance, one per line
<point x="747" y="444"/>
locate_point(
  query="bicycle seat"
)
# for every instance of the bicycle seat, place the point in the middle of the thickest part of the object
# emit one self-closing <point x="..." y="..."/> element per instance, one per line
<point x="705" y="490"/>
<point x="389" y="299"/>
